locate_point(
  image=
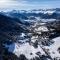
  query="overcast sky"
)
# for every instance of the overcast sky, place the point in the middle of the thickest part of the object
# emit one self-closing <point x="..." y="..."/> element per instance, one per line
<point x="29" y="4"/>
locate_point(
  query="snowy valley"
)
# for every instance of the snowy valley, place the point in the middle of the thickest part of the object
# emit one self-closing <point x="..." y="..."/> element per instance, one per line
<point x="30" y="35"/>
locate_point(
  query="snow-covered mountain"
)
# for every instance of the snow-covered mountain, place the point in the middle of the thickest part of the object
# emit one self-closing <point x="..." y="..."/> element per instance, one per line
<point x="34" y="38"/>
<point x="40" y="13"/>
<point x="41" y="52"/>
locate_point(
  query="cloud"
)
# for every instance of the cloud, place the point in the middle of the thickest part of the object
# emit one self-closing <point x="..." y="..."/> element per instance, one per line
<point x="11" y="4"/>
<point x="28" y="4"/>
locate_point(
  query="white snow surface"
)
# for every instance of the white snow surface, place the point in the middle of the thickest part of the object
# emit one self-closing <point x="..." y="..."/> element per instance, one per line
<point x="53" y="49"/>
<point x="25" y="49"/>
<point x="22" y="34"/>
<point x="42" y="28"/>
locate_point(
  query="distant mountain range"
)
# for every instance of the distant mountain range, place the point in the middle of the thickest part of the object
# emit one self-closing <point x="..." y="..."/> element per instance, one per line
<point x="41" y="13"/>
